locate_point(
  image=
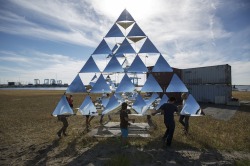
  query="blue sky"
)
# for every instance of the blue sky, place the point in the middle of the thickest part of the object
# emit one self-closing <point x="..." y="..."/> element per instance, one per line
<point x="53" y="39"/>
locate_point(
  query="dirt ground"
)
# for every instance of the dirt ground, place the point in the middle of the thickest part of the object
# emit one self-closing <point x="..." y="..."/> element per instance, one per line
<point x="28" y="137"/>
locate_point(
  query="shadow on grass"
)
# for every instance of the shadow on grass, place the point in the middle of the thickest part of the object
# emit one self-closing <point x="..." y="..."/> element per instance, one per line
<point x="42" y="156"/>
<point x="107" y="151"/>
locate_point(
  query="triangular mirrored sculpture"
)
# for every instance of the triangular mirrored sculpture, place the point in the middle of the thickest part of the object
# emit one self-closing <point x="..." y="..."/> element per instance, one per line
<point x="100" y="86"/>
<point x="138" y="104"/>
<point x="164" y="99"/>
<point x="76" y="86"/>
<point x="125" y="16"/>
<point x="176" y="85"/>
<point x="137" y="66"/>
<point x="136" y="31"/>
<point x="148" y="47"/>
<point x="102" y="48"/>
<point x="113" y="66"/>
<point x="90" y="66"/>
<point x="125" y="48"/>
<point x="162" y="65"/>
<point x="87" y="107"/>
<point x="191" y="107"/>
<point x="125" y="85"/>
<point x="151" y="85"/>
<point x="112" y="104"/>
<point x="114" y="32"/>
<point x="63" y="107"/>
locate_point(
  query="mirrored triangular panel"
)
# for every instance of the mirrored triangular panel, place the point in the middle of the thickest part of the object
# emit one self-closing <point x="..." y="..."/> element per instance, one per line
<point x="162" y="65"/>
<point x="151" y="99"/>
<point x="139" y="104"/>
<point x="125" y="16"/>
<point x="112" y="104"/>
<point x="125" y="24"/>
<point x="137" y="66"/>
<point x="136" y="31"/>
<point x="63" y="107"/>
<point x="90" y="66"/>
<point x="148" y="47"/>
<point x="102" y="48"/>
<point x="125" y="47"/>
<point x="151" y="85"/>
<point x="87" y="107"/>
<point x="76" y="86"/>
<point x="164" y="99"/>
<point x="176" y="85"/>
<point x="125" y="85"/>
<point x="191" y="107"/>
<point x="113" y="66"/>
<point x="114" y="32"/>
<point x="100" y="86"/>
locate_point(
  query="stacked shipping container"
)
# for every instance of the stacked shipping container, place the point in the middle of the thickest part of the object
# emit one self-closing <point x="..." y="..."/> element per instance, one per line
<point x="209" y="84"/>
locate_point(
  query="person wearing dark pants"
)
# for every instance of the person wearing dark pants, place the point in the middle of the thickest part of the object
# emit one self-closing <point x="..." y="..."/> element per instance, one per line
<point x="63" y="119"/>
<point x="168" y="109"/>
<point x="168" y="136"/>
<point x="184" y="117"/>
<point x="184" y="120"/>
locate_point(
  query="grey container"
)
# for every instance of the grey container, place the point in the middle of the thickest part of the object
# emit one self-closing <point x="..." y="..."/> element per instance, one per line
<point x="218" y="94"/>
<point x="220" y="74"/>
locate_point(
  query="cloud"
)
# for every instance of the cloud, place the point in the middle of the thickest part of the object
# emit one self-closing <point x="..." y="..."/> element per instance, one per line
<point x="33" y="65"/>
<point x="188" y="33"/>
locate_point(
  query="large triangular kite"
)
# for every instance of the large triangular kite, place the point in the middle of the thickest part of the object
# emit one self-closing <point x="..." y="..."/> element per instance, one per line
<point x="90" y="66"/>
<point x="151" y="85"/>
<point x="125" y="85"/>
<point x="76" y="86"/>
<point x="191" y="107"/>
<point x="115" y="32"/>
<point x="63" y="107"/>
<point x="176" y="85"/>
<point x="87" y="107"/>
<point x="162" y="65"/>
<point x="124" y="39"/>
<point x="113" y="66"/>
<point x="148" y="47"/>
<point x="125" y="16"/>
<point x="112" y="104"/>
<point x="102" y="48"/>
<point x="137" y="66"/>
<point x="100" y="86"/>
<point x="125" y="47"/>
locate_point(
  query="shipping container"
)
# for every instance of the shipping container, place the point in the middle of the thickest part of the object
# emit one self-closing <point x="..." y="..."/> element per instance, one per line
<point x="208" y="93"/>
<point x="220" y="74"/>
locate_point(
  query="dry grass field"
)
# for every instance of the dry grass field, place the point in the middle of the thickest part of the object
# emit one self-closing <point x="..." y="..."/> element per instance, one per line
<point x="28" y="136"/>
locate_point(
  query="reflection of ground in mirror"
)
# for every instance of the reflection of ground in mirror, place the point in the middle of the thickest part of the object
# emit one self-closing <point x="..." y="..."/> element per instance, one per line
<point x="112" y="129"/>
